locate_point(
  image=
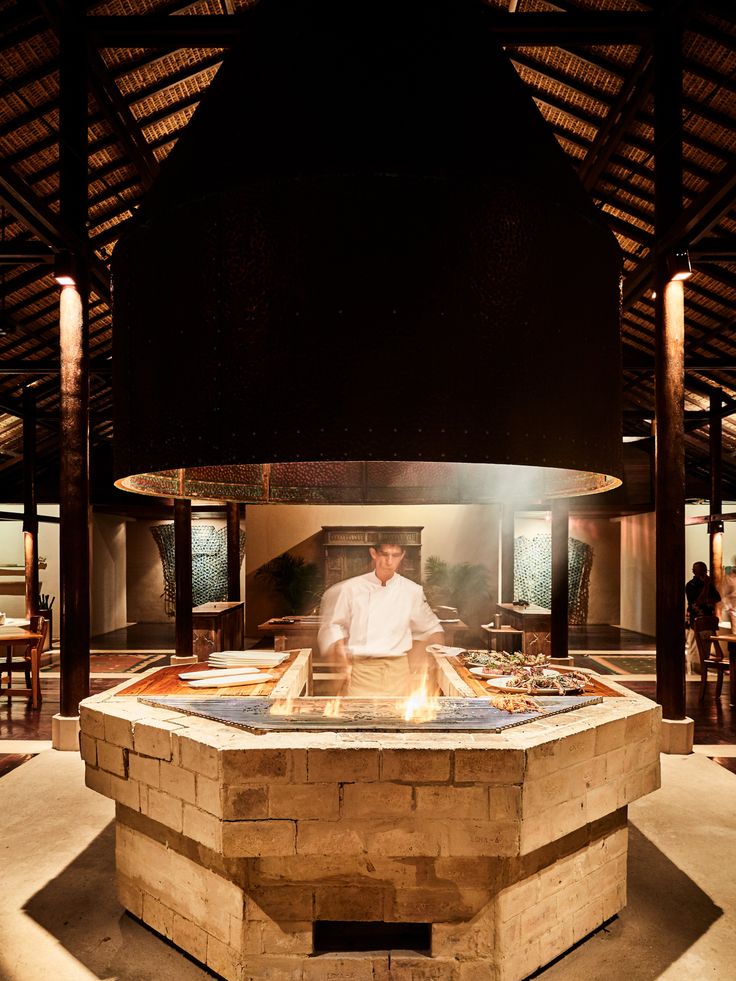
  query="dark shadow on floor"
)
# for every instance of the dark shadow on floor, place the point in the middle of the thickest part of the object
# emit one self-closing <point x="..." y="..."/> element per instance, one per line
<point x="666" y="914"/>
<point x="79" y="908"/>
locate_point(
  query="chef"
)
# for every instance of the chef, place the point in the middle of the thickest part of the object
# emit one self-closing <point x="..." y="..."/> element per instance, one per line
<point x="371" y="623"/>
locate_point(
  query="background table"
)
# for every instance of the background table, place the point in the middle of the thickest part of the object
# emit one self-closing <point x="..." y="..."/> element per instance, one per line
<point x="16" y="636"/>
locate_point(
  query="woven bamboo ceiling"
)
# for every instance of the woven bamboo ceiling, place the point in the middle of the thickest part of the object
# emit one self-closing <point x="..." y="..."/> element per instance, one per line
<point x="588" y="65"/>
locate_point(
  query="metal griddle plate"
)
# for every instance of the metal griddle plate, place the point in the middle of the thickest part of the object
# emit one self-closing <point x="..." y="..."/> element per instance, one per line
<point x="365" y="715"/>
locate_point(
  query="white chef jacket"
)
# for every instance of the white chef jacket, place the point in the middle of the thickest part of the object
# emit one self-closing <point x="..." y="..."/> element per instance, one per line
<point x="373" y="619"/>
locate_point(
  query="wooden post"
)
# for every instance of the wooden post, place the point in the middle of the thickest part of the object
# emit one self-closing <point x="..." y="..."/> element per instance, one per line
<point x="715" y="528"/>
<point x="669" y="372"/>
<point x="74" y="376"/>
<point x="507" y="554"/>
<point x="560" y="579"/>
<point x="183" y="577"/>
<point x="30" y="511"/>
<point x="233" y="551"/>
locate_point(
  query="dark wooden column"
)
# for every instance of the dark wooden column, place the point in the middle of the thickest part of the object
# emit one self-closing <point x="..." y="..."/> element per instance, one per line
<point x="74" y="361"/>
<point x="183" y="577"/>
<point x="560" y="579"/>
<point x="669" y="373"/>
<point x="30" y="511"/>
<point x="507" y="554"/>
<point x="715" y="528"/>
<point x="233" y="551"/>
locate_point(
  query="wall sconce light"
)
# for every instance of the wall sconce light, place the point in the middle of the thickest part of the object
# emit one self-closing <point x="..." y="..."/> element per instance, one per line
<point x="65" y="269"/>
<point x="678" y="265"/>
<point x="714" y="527"/>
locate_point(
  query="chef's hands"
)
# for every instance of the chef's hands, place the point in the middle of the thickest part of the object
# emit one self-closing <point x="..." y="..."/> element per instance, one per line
<point x="342" y="664"/>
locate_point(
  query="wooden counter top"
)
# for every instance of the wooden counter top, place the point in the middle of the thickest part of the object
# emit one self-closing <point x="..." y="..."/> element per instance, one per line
<point x="166" y="681"/>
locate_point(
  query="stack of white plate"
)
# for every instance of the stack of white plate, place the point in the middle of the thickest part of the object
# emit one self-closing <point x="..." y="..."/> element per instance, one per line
<point x="247" y="659"/>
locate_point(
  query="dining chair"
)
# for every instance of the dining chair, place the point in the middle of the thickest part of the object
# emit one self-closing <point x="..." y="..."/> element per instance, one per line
<point x="29" y="663"/>
<point x="711" y="655"/>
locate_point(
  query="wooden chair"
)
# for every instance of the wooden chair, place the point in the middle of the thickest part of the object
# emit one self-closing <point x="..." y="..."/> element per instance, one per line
<point x="711" y="655"/>
<point x="29" y="663"/>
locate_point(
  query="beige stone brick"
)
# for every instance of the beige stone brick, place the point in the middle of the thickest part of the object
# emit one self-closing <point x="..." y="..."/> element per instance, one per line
<point x="492" y="766"/>
<point x="88" y="749"/>
<point x="224" y="960"/>
<point x="457" y="803"/>
<point x="129" y="894"/>
<point x="165" y="809"/>
<point x="342" y="765"/>
<point x="601" y="801"/>
<point x="255" y="838"/>
<point x="416" y="765"/>
<point x="407" y="838"/>
<point x="112" y="758"/>
<point x="153" y="738"/>
<point x="245" y="803"/>
<point x="196" y="756"/>
<point x="587" y="919"/>
<point x="287" y="938"/>
<point x="98" y="780"/>
<point x="555" y="823"/>
<point x="466" y="938"/>
<point x="483" y="838"/>
<point x="638" y="726"/>
<point x="260" y="766"/>
<point x="513" y="900"/>
<point x="434" y="903"/>
<point x="483" y="970"/>
<point x="126" y="792"/>
<point x="335" y="901"/>
<point x="556" y="939"/>
<point x="335" y="838"/>
<point x="346" y="967"/>
<point x="247" y="937"/>
<point x="208" y="795"/>
<point x="609" y="736"/>
<point x="144" y="769"/>
<point x="265" y="968"/>
<point x="91" y="722"/>
<point x="504" y="803"/>
<point x="518" y="963"/>
<point x="380" y="800"/>
<point x="415" y="967"/>
<point x="553" y="788"/>
<point x="280" y="902"/>
<point x="119" y="730"/>
<point x="157" y="916"/>
<point x="202" y="827"/>
<point x="178" y="782"/>
<point x="615" y="763"/>
<point x="307" y="801"/>
<point x="536" y="919"/>
<point x="558" y="876"/>
<point x="190" y="938"/>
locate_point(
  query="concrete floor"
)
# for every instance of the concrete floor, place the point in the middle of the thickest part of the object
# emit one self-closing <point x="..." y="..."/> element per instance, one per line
<point x="59" y="918"/>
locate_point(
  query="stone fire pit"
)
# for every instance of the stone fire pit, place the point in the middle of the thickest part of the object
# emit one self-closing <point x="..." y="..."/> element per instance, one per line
<point x="274" y="856"/>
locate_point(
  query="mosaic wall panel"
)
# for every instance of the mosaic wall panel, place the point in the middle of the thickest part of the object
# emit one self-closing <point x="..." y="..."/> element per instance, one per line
<point x="209" y="563"/>
<point x="533" y="573"/>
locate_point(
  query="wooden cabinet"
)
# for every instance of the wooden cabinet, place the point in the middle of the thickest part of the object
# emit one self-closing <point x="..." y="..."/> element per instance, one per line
<point x="217" y="627"/>
<point x="346" y="550"/>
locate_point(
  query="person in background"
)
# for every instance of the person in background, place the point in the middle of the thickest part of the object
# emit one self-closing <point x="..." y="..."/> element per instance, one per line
<point x="702" y="598"/>
<point x="372" y="623"/>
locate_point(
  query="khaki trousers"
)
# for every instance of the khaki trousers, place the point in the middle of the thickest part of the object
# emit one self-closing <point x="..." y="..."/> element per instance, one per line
<point x="376" y="677"/>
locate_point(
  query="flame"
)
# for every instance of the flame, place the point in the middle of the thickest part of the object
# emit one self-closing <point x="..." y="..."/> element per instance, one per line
<point x="420" y="705"/>
<point x="284" y="706"/>
<point x="332" y="709"/>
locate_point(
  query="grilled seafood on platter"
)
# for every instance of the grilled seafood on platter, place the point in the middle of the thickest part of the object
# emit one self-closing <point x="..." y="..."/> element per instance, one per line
<point x="515" y="703"/>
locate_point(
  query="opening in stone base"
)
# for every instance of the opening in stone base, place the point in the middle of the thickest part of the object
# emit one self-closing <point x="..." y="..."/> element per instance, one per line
<point x="344" y="936"/>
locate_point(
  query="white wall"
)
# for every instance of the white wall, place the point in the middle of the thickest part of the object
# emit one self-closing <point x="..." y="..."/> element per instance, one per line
<point x="12" y="587"/>
<point x="454" y="533"/>
<point x="108" y="579"/>
<point x="638" y="573"/>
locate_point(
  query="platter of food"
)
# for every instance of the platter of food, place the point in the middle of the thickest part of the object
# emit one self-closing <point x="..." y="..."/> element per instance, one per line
<point x="542" y="683"/>
<point x="500" y="672"/>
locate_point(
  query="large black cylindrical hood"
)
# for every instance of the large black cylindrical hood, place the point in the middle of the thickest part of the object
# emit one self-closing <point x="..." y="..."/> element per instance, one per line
<point x="367" y="250"/>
